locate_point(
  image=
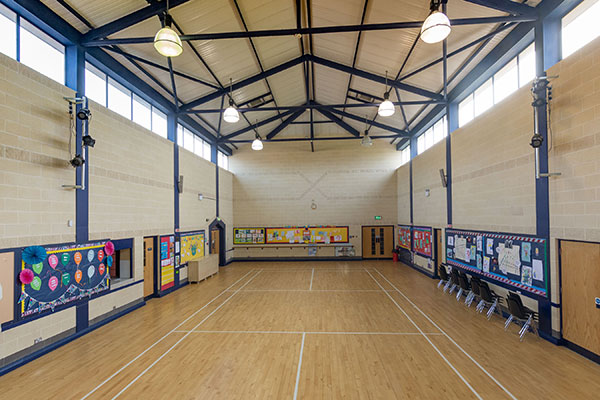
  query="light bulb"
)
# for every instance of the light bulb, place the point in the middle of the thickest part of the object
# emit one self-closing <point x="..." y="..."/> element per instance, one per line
<point x="231" y="115"/>
<point x="386" y="108"/>
<point x="167" y="42"/>
<point x="257" y="144"/>
<point x="435" y="28"/>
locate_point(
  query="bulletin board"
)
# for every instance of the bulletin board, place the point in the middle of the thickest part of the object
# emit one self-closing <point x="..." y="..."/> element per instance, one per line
<point x="167" y="262"/>
<point x="422" y="242"/>
<point x="248" y="235"/>
<point x="67" y="273"/>
<point x="7" y="286"/>
<point x="192" y="246"/>
<point x="519" y="261"/>
<point x="404" y="237"/>
<point x="301" y="235"/>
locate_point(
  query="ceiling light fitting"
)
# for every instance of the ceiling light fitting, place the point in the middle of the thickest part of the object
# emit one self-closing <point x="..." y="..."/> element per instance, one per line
<point x="167" y="41"/>
<point x="437" y="25"/>
<point x="231" y="114"/>
<point x="386" y="108"/>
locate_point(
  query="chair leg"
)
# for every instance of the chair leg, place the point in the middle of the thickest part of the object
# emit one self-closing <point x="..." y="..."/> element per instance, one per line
<point x="460" y="292"/>
<point x="440" y="283"/>
<point x="452" y="288"/>
<point x="480" y="306"/>
<point x="492" y="308"/>
<point x="446" y="286"/>
<point x="524" y="328"/>
<point x="508" y="321"/>
<point x="468" y="298"/>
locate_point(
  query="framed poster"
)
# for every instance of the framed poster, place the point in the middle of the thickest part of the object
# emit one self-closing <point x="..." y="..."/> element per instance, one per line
<point x="302" y="235"/>
<point x="248" y="235"/>
<point x="404" y="237"/>
<point x="192" y="246"/>
<point x="422" y="241"/>
<point x="167" y="262"/>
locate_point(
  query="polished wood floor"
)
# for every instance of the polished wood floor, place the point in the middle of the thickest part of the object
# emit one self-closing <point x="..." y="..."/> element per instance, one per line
<point x="365" y="330"/>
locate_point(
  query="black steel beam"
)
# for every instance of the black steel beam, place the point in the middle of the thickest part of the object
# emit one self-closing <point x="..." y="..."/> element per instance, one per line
<point x="284" y="124"/>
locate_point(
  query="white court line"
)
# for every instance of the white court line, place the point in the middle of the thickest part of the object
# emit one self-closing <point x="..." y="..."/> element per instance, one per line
<point x="162" y="338"/>
<point x="313" y="290"/>
<point x="449" y="338"/>
<point x="312" y="275"/>
<point x="299" y="367"/>
<point x="322" y="333"/>
<point x="429" y="340"/>
<point x="184" y="336"/>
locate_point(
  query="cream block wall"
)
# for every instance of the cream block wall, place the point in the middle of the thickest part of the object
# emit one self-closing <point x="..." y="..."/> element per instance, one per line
<point x="34" y="158"/>
<point x="226" y="205"/>
<point x="429" y="211"/>
<point x="403" y="183"/>
<point x="493" y="182"/>
<point x="349" y="183"/>
<point x="198" y="177"/>
<point x="105" y="304"/>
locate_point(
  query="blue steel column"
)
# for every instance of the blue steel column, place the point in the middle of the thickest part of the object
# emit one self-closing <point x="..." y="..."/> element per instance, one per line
<point x="75" y="79"/>
<point x="452" y="122"/>
<point x="172" y="135"/>
<point x="413" y="154"/>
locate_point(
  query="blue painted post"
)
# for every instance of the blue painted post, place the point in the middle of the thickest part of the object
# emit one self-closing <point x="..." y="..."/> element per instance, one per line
<point x="452" y="125"/>
<point x="172" y="135"/>
<point x="413" y="154"/>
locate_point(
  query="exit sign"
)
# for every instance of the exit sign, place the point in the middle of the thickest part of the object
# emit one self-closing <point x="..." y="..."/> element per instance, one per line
<point x="378" y="218"/>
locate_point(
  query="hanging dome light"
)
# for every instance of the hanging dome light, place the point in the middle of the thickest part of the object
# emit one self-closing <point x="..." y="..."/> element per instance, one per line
<point x="366" y="140"/>
<point x="437" y="25"/>
<point x="230" y="114"/>
<point x="386" y="108"/>
<point x="167" y="41"/>
<point x="257" y="144"/>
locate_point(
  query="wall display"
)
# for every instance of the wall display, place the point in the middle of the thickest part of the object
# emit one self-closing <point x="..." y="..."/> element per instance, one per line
<point x="248" y="235"/>
<point x="7" y="286"/>
<point x="167" y="262"/>
<point x="422" y="241"/>
<point x="65" y="274"/>
<point x="301" y="235"/>
<point x="404" y="237"/>
<point x="516" y="260"/>
<point x="192" y="246"/>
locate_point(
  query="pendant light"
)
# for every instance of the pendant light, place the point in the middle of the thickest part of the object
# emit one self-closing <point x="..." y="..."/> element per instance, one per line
<point x="230" y="114"/>
<point x="386" y="108"/>
<point x="437" y="25"/>
<point x="257" y="144"/>
<point x="167" y="41"/>
<point x="366" y="140"/>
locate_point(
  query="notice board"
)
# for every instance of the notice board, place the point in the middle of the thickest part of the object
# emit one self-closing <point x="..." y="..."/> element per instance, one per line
<point x="248" y="235"/>
<point x="301" y="235"/>
<point x="515" y="260"/>
<point x="404" y="237"/>
<point x="192" y="246"/>
<point x="167" y="262"/>
<point x="422" y="241"/>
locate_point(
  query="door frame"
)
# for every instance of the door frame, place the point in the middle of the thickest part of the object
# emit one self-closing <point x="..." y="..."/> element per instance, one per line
<point x="154" y="267"/>
<point x="376" y="226"/>
<point x="222" y="228"/>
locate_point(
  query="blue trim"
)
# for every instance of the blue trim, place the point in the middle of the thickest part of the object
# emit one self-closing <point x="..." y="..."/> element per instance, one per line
<point x="580" y="350"/>
<point x="304" y="259"/>
<point x="19" y="363"/>
<point x="82" y="316"/>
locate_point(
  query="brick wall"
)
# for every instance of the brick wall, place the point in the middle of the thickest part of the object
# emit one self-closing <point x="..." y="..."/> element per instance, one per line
<point x="403" y="183"/>
<point x="429" y="210"/>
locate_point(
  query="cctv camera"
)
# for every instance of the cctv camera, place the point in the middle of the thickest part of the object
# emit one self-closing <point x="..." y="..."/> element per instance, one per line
<point x="77" y="161"/>
<point x="536" y="141"/>
<point x="88" y="141"/>
<point x="84" y="114"/>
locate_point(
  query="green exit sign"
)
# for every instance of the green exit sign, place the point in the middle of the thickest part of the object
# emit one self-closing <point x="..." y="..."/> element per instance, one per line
<point x="378" y="218"/>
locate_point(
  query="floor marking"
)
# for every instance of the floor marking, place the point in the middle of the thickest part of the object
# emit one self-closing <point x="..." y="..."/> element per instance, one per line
<point x="429" y="340"/>
<point x="299" y="367"/>
<point x="449" y="338"/>
<point x="184" y="336"/>
<point x="311" y="278"/>
<point x="313" y="290"/>
<point x="162" y="338"/>
<point x="322" y="333"/>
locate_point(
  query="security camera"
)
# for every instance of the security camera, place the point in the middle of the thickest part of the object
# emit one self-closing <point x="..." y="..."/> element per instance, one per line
<point x="77" y="161"/>
<point x="88" y="141"/>
<point x="536" y="141"/>
<point x="84" y="114"/>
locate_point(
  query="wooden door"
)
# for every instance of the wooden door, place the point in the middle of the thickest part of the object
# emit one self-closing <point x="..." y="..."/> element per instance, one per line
<point x="439" y="249"/>
<point x="377" y="241"/>
<point x="214" y="243"/>
<point x="580" y="285"/>
<point x="148" y="266"/>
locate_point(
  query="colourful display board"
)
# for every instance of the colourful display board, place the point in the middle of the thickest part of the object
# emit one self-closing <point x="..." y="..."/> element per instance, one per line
<point x="422" y="242"/>
<point x="301" y="235"/>
<point x="167" y="262"/>
<point x="519" y="261"/>
<point x="67" y="273"/>
<point x="192" y="246"/>
<point x="248" y="235"/>
<point x="404" y="237"/>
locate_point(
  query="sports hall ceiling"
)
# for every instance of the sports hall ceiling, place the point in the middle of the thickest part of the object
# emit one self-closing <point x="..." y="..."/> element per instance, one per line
<point x="337" y="68"/>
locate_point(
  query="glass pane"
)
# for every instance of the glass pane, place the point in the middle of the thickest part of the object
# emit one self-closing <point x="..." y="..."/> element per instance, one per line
<point x="188" y="140"/>
<point x="119" y="98"/>
<point x="429" y="138"/>
<point x="438" y="131"/>
<point x="466" y="113"/>
<point x="42" y="53"/>
<point x="198" y="146"/>
<point x="206" y="153"/>
<point x="506" y="81"/>
<point x="180" y="135"/>
<point x="159" y="123"/>
<point x="95" y="84"/>
<point x="142" y="112"/>
<point x="421" y="144"/>
<point x="484" y="97"/>
<point x="527" y="65"/>
<point x="580" y="27"/>
<point x="8" y="32"/>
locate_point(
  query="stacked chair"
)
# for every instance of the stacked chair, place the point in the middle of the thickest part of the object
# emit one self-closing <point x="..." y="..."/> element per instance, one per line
<point x="520" y="314"/>
<point x="464" y="287"/>
<point x="444" y="277"/>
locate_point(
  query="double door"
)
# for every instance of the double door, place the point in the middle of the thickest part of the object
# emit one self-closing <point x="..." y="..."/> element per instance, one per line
<point x="377" y="241"/>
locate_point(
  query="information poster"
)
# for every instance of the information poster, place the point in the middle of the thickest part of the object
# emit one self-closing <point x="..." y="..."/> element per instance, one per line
<point x="192" y="246"/>
<point x="303" y="235"/>
<point x="422" y="241"/>
<point x="167" y="262"/>
<point x="66" y="274"/>
<point x="516" y="260"/>
<point x="404" y="237"/>
<point x="249" y="236"/>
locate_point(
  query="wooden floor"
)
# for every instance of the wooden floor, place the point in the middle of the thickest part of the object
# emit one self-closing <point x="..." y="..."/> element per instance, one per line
<point x="372" y="330"/>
